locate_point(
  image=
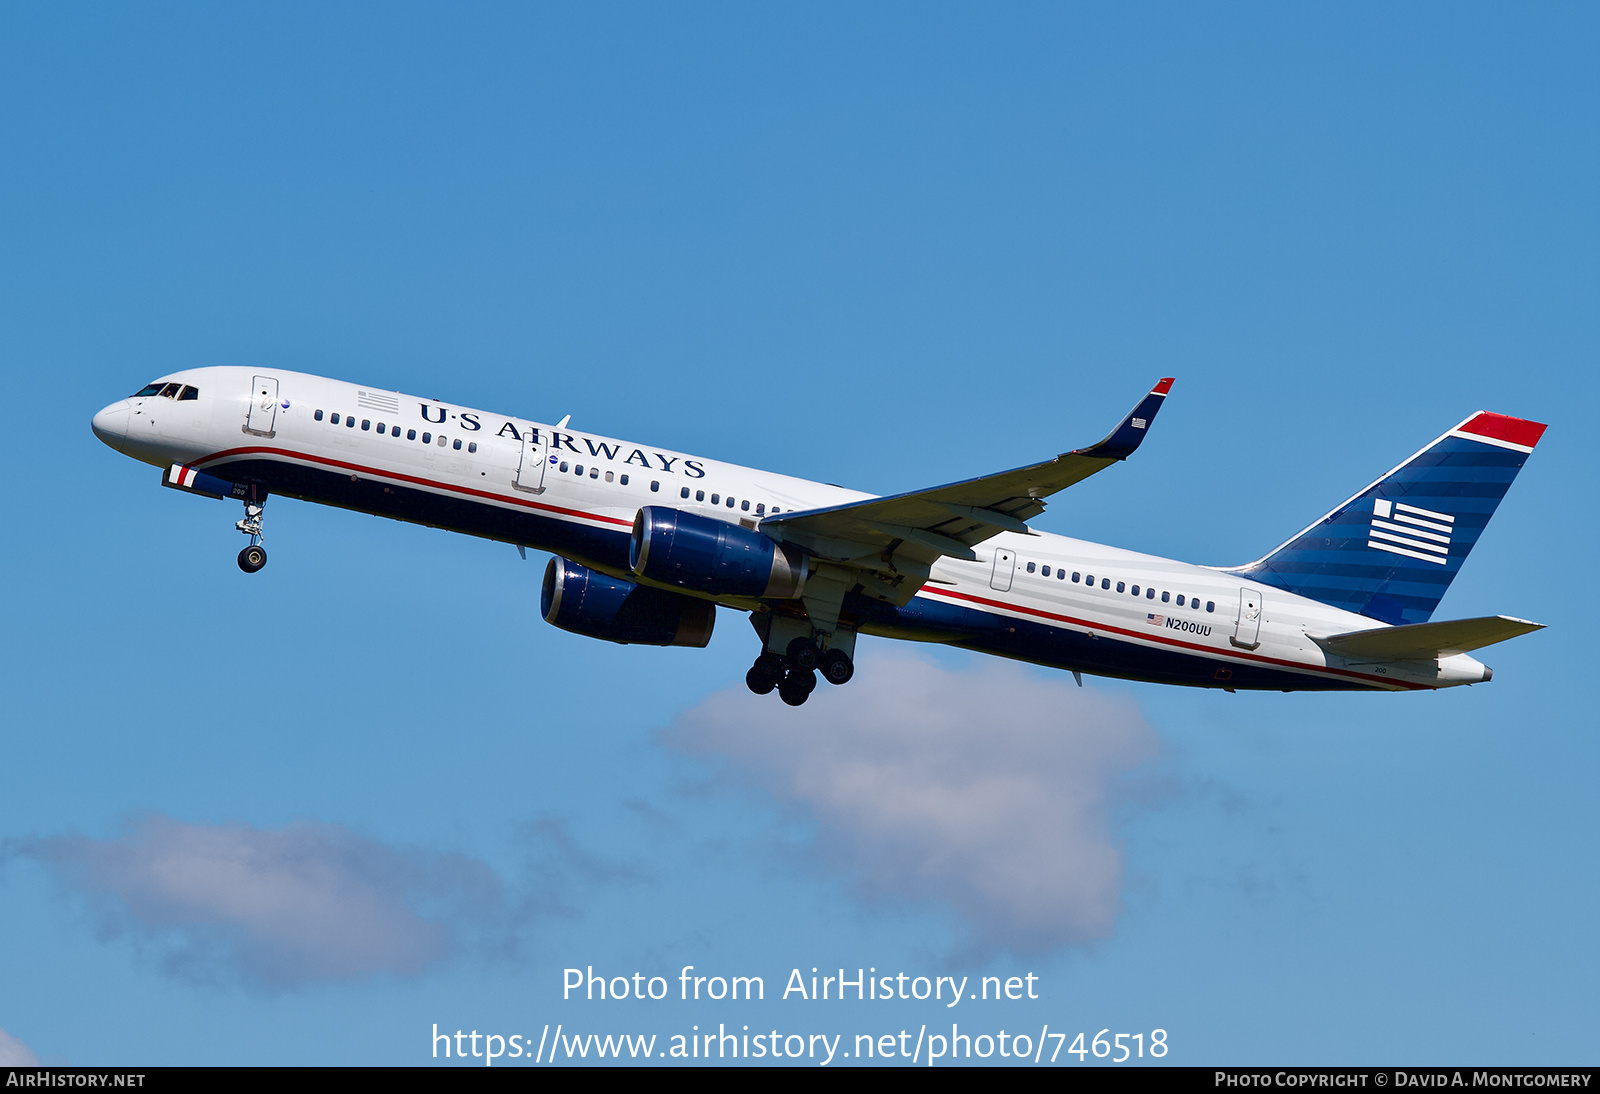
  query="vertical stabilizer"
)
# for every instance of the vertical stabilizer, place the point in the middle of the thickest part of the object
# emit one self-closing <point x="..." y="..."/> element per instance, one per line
<point x="1391" y="551"/>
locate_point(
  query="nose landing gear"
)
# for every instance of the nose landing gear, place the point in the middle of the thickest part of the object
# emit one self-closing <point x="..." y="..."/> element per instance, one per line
<point x="253" y="557"/>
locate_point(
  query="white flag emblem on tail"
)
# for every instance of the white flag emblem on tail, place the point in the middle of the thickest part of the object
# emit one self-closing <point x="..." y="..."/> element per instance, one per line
<point x="1407" y="530"/>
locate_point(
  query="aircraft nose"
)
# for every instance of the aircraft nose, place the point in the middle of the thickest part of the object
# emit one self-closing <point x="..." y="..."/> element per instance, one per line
<point x="111" y="424"/>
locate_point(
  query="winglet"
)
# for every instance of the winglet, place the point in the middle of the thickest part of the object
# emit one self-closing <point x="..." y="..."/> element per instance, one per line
<point x="1123" y="440"/>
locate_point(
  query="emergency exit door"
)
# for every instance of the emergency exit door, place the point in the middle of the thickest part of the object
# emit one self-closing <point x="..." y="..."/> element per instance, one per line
<point x="1247" y="631"/>
<point x="1005" y="566"/>
<point x="535" y="458"/>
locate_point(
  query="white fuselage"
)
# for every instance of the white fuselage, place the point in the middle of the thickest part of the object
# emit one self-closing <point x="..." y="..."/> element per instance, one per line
<point x="1149" y="611"/>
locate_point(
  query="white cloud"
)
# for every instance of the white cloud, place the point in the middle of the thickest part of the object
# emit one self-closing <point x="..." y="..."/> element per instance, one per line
<point x="273" y="906"/>
<point x="990" y="790"/>
<point x="13" y="1053"/>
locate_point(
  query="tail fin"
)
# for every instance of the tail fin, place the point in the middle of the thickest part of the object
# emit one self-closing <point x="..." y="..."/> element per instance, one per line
<point x="1391" y="551"/>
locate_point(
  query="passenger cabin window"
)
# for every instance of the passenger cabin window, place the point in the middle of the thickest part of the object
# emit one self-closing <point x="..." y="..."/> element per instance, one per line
<point x="1180" y="600"/>
<point x="608" y="474"/>
<point x="1135" y="590"/>
<point x="1150" y="593"/>
<point x="1165" y="596"/>
<point x="395" y="431"/>
<point x="624" y="479"/>
<point x="744" y="506"/>
<point x="699" y="495"/>
<point x="427" y="438"/>
<point x="563" y="468"/>
<point x="1120" y="587"/>
<point x="188" y="393"/>
<point x="383" y="427"/>
<point x="1088" y="580"/>
<point x="761" y="508"/>
<point x="1061" y="575"/>
<point x="334" y="417"/>
<point x="577" y="469"/>
<point x="655" y="484"/>
<point x="1030" y="567"/>
<point x="1211" y="605"/>
<point x="411" y="434"/>
<point x="456" y="444"/>
<point x="683" y="492"/>
<point x="349" y="422"/>
<point x="715" y="500"/>
<point x="317" y="416"/>
<point x="366" y="425"/>
<point x="472" y="446"/>
<point x="441" y="441"/>
<point x="730" y="501"/>
<point x="1105" y="583"/>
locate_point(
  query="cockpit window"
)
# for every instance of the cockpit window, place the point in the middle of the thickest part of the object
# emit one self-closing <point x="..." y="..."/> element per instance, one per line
<point x="188" y="393"/>
<point x="171" y="390"/>
<point x="148" y="389"/>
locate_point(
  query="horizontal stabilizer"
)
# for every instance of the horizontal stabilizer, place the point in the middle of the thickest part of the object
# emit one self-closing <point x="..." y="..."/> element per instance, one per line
<point x="1426" y="641"/>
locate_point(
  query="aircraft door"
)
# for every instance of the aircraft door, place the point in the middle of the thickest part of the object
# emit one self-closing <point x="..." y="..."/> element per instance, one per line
<point x="535" y="458"/>
<point x="1005" y="565"/>
<point x="1247" y="633"/>
<point x="263" y="406"/>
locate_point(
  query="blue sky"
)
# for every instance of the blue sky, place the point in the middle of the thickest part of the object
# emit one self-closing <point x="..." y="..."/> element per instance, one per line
<point x="302" y="817"/>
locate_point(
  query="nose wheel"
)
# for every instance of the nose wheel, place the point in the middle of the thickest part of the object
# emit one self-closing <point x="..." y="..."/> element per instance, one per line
<point x="253" y="557"/>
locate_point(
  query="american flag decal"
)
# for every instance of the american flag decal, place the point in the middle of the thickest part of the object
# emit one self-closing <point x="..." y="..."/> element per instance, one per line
<point x="1407" y="530"/>
<point x="1155" y="620"/>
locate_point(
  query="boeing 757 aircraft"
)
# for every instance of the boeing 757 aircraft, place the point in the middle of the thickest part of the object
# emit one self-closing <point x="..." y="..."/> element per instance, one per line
<point x="648" y="542"/>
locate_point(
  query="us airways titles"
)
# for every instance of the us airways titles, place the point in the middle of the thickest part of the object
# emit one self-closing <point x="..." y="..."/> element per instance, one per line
<point x="596" y="449"/>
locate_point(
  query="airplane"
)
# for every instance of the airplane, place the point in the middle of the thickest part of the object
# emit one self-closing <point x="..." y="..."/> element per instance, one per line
<point x="649" y="542"/>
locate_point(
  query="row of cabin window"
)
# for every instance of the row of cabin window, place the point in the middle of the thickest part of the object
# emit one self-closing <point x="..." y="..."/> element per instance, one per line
<point x="594" y="473"/>
<point x="683" y="492"/>
<point x="717" y="499"/>
<point x="1149" y="593"/>
<point x="411" y="434"/>
<point x="181" y="392"/>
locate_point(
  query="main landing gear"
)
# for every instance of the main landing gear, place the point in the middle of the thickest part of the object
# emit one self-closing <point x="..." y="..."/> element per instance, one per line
<point x="794" y="672"/>
<point x="253" y="557"/>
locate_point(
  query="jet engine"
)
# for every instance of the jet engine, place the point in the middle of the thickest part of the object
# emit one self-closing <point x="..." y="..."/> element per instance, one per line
<point x="585" y="602"/>
<point x="713" y="556"/>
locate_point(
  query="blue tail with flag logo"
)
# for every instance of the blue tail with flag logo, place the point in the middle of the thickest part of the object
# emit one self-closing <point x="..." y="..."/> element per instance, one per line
<point x="1391" y="551"/>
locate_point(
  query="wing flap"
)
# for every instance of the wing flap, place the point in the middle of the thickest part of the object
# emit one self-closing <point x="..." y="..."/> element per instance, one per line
<point x="1426" y="641"/>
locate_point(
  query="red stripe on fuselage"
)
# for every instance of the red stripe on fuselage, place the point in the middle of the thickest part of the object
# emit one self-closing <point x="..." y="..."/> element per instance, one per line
<point x="378" y="472"/>
<point x="1161" y="639"/>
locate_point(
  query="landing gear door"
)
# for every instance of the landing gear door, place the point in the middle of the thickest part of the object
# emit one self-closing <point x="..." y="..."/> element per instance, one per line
<point x="1005" y="565"/>
<point x="263" y="406"/>
<point x="1247" y="633"/>
<point x="535" y="457"/>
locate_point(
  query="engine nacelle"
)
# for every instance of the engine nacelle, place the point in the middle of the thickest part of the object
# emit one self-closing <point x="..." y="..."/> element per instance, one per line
<point x="578" y="599"/>
<point x="713" y="556"/>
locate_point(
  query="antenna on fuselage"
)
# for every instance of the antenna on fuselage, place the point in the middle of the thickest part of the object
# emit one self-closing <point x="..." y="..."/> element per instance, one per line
<point x="562" y="424"/>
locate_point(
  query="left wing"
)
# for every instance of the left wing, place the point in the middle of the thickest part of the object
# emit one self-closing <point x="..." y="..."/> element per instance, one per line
<point x="892" y="542"/>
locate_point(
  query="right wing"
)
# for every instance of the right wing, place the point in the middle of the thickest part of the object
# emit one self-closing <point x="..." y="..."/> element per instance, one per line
<point x="890" y="543"/>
